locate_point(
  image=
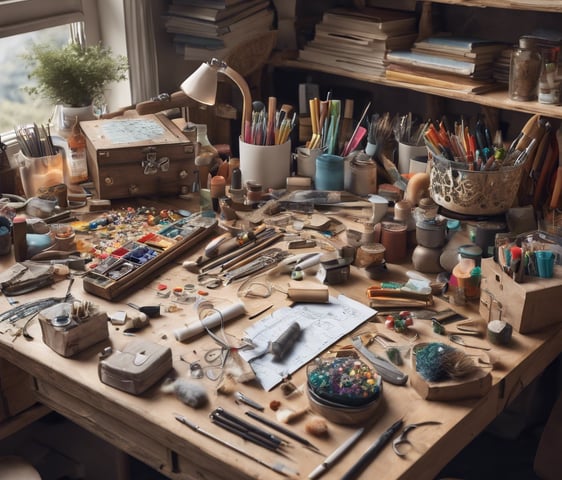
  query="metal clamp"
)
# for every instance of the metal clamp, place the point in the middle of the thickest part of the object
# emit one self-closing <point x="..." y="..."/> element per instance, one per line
<point x="151" y="164"/>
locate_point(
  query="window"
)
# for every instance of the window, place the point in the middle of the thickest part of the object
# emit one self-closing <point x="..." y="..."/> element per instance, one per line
<point x="16" y="106"/>
<point x="23" y="21"/>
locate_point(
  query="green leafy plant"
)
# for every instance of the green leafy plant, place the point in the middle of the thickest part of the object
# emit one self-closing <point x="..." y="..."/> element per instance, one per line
<point x="73" y="75"/>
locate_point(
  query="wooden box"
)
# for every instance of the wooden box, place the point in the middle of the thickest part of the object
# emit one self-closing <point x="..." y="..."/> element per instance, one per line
<point x="137" y="156"/>
<point x="75" y="336"/>
<point x="124" y="268"/>
<point x="527" y="306"/>
<point x="16" y="390"/>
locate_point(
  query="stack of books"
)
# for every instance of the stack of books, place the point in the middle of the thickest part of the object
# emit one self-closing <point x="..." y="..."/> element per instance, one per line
<point x="359" y="40"/>
<point x="203" y="29"/>
<point x="448" y="61"/>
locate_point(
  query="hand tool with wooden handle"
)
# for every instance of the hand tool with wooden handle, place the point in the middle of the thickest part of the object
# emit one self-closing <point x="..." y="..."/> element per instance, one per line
<point x="557" y="190"/>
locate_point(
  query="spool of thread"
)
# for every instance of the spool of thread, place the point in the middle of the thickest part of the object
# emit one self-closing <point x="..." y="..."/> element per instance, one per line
<point x="309" y="295"/>
<point x="395" y="240"/>
<point x="221" y="316"/>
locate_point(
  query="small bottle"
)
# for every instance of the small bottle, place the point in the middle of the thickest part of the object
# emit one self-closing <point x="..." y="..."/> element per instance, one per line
<point x="524" y="71"/>
<point x="206" y="155"/>
<point x="76" y="162"/>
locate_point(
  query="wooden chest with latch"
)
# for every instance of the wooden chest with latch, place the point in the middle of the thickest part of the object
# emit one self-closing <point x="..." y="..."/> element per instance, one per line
<point x="138" y="156"/>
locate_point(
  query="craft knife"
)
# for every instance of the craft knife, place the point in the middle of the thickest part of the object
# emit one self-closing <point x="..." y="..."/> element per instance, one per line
<point x="384" y="368"/>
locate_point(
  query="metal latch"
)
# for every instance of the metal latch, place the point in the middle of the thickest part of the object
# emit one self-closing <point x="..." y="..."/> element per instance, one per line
<point x="151" y="164"/>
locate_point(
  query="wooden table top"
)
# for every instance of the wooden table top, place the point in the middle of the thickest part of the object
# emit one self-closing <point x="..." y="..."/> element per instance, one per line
<point x="145" y="425"/>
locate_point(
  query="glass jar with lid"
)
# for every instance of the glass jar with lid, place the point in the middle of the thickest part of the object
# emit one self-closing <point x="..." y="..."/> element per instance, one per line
<point x="524" y="71"/>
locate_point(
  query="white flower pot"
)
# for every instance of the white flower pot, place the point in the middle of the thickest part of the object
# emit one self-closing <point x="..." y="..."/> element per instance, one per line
<point x="65" y="117"/>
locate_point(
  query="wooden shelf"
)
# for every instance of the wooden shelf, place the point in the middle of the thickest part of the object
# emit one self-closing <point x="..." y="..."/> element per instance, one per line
<point x="497" y="99"/>
<point x="554" y="6"/>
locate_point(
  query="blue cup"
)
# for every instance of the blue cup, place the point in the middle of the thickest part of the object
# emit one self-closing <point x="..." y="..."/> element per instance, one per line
<point x="545" y="263"/>
<point x="329" y="172"/>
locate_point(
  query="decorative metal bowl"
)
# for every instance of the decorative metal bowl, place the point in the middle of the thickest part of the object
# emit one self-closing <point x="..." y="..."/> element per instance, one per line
<point x="471" y="192"/>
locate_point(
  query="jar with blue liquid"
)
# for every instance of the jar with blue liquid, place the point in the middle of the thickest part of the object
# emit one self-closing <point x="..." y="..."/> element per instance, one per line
<point x="329" y="172"/>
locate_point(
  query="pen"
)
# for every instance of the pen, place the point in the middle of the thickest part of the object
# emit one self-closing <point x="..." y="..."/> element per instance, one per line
<point x="335" y="455"/>
<point x="372" y="451"/>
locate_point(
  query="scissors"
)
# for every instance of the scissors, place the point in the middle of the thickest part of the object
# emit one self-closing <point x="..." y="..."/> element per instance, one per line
<point x="403" y="437"/>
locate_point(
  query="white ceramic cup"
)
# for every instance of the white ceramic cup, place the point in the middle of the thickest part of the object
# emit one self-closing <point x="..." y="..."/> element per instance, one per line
<point x="268" y="165"/>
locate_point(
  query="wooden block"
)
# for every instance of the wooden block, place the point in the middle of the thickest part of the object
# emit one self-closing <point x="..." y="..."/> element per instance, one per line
<point x="474" y="385"/>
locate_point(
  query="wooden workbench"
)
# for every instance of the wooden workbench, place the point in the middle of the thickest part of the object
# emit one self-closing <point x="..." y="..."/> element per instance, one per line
<point x="144" y="426"/>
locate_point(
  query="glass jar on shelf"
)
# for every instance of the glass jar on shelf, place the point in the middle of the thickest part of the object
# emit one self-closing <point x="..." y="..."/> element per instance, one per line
<point x="524" y="71"/>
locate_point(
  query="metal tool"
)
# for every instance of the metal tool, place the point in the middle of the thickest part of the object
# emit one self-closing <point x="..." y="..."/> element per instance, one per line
<point x="384" y="368"/>
<point x="276" y="467"/>
<point x="246" y="430"/>
<point x="403" y="437"/>
<point x="372" y="452"/>
<point x="248" y="401"/>
<point x="267" y="260"/>
<point x="335" y="455"/>
<point x="283" y="430"/>
<point x="460" y="341"/>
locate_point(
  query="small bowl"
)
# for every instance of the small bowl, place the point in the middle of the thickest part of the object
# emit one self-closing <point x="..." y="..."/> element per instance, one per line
<point x="342" y="414"/>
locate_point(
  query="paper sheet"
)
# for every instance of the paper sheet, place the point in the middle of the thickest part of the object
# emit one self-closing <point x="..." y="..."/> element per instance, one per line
<point x="322" y="325"/>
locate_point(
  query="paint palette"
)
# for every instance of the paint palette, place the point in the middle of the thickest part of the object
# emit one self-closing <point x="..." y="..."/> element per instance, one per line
<point x="137" y="260"/>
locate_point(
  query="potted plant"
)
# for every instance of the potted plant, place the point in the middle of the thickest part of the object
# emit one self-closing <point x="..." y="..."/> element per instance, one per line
<point x="73" y="76"/>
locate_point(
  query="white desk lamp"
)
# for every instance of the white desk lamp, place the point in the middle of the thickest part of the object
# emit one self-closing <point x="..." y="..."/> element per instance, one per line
<point x="201" y="86"/>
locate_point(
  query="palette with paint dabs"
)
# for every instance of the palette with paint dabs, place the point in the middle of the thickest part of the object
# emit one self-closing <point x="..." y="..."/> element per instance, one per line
<point x="135" y="260"/>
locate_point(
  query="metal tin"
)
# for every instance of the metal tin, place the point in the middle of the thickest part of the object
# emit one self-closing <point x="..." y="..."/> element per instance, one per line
<point x="431" y="234"/>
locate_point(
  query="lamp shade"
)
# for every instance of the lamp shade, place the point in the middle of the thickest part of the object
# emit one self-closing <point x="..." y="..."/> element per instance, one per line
<point x="201" y="85"/>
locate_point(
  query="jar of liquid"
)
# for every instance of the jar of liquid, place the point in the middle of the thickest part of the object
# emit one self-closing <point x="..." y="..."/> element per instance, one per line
<point x="524" y="71"/>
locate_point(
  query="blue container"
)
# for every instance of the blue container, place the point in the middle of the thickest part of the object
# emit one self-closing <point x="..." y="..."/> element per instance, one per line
<point x="329" y="172"/>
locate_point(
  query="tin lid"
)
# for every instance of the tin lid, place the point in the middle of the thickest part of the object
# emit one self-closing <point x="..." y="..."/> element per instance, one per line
<point x="470" y="251"/>
<point x="431" y="225"/>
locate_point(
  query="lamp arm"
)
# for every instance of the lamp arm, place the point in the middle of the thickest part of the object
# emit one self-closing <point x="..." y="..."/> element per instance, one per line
<point x="175" y="100"/>
<point x="246" y="102"/>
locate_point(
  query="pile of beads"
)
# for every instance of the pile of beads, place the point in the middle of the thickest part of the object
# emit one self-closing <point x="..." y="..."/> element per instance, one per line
<point x="399" y="322"/>
<point x="344" y="380"/>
